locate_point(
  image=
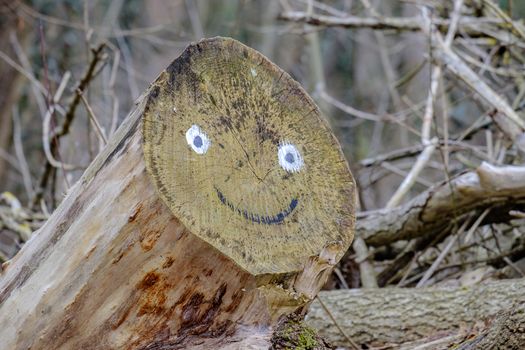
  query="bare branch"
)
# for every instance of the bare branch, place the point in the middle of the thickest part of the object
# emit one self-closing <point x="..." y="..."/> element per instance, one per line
<point x="441" y="206"/>
<point x="468" y="24"/>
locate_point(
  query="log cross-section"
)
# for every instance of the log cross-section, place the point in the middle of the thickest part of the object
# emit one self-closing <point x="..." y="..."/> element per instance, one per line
<point x="219" y="207"/>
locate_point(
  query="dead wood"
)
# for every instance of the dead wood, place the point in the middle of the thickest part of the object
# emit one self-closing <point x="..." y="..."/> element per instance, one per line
<point x="446" y="205"/>
<point x="401" y="315"/>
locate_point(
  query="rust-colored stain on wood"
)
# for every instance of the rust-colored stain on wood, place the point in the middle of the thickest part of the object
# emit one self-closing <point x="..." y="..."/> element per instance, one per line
<point x="153" y="298"/>
<point x="150" y="233"/>
<point x="168" y="262"/>
<point x="148" y="238"/>
<point x="133" y="216"/>
<point x="199" y="314"/>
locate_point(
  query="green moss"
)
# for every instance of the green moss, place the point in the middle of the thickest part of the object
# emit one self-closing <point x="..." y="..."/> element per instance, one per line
<point x="306" y="339"/>
<point x="295" y="335"/>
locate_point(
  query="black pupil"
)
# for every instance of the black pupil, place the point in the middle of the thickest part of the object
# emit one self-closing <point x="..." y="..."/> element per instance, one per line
<point x="197" y="141"/>
<point x="289" y="158"/>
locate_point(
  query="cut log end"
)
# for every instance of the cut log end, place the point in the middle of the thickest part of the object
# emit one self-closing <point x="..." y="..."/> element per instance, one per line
<point x="239" y="152"/>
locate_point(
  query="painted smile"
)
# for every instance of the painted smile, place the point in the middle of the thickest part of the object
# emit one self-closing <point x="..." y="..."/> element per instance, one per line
<point x="260" y="219"/>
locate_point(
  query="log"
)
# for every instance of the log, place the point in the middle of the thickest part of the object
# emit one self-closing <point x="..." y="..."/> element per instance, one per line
<point x="401" y="315"/>
<point x="218" y="208"/>
<point x="507" y="331"/>
<point x="499" y="188"/>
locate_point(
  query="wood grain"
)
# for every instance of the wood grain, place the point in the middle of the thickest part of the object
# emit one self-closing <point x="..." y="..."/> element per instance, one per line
<point x="232" y="195"/>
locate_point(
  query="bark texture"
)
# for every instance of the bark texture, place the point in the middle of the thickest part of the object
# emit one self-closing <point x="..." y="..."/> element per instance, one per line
<point x="440" y="208"/>
<point x="398" y="315"/>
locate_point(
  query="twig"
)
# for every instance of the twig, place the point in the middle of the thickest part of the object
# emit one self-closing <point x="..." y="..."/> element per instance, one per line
<point x="323" y="7"/>
<point x="68" y="119"/>
<point x="24" y="72"/>
<point x="364" y="115"/>
<point x="468" y="24"/>
<point x="368" y="276"/>
<point x="403" y="174"/>
<point x="341" y="278"/>
<point x="10" y="159"/>
<point x="22" y="57"/>
<point x="102" y="31"/>
<point x="441" y="256"/>
<point x="475" y="225"/>
<point x="112" y="80"/>
<point x="84" y="82"/>
<point x="195" y="21"/>
<point x="432" y="211"/>
<point x="409" y="181"/>
<point x="452" y="62"/>
<point x="514" y="266"/>
<point x="19" y="152"/>
<point x="93" y="118"/>
<point x="429" y="109"/>
<point x="128" y="63"/>
<point x="430" y="145"/>
<point x="343" y="333"/>
<point x="500" y="13"/>
<point x="407" y="152"/>
<point x="46" y="132"/>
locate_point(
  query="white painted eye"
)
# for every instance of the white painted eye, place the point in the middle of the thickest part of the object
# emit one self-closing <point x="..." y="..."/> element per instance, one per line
<point x="197" y="139"/>
<point x="289" y="158"/>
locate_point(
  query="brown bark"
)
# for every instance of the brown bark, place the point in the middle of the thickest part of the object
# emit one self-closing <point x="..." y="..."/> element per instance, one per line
<point x="398" y="315"/>
<point x="438" y="209"/>
<point x="506" y="332"/>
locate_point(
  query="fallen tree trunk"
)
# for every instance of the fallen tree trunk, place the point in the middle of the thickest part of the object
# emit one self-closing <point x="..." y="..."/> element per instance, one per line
<point x="146" y="253"/>
<point x="440" y="208"/>
<point x="401" y="315"/>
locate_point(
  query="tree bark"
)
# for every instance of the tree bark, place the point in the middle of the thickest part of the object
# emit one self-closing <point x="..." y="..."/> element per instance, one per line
<point x="117" y="267"/>
<point x="399" y="315"/>
<point x="499" y="188"/>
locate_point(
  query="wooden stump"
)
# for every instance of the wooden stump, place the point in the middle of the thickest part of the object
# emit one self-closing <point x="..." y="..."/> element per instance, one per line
<point x="218" y="208"/>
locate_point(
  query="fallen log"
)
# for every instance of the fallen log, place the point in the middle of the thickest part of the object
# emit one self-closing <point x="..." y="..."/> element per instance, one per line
<point x="499" y="188"/>
<point x="401" y="315"/>
<point x="218" y="208"/>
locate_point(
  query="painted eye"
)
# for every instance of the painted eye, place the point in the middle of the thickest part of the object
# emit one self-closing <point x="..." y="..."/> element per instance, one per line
<point x="289" y="158"/>
<point x="197" y="139"/>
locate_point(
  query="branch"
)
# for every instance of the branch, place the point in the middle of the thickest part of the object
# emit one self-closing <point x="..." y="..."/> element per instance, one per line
<point x="66" y="123"/>
<point x="459" y="68"/>
<point x="440" y="207"/>
<point x="468" y="24"/>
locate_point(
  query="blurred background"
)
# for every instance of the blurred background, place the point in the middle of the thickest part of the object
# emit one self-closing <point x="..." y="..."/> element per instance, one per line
<point x="72" y="70"/>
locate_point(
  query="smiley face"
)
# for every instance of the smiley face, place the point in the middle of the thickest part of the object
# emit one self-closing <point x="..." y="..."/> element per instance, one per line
<point x="239" y="153"/>
<point x="288" y="157"/>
